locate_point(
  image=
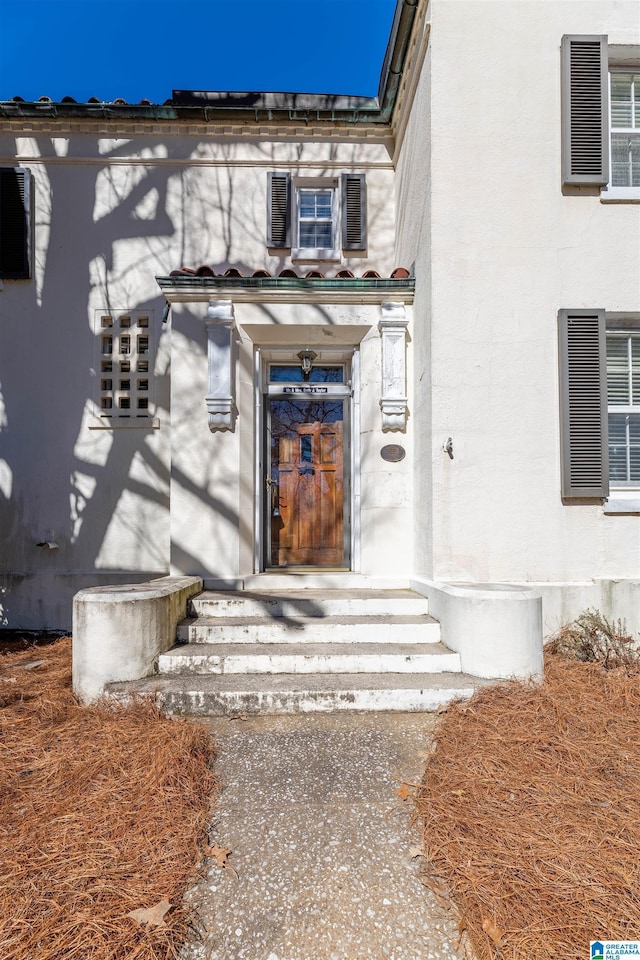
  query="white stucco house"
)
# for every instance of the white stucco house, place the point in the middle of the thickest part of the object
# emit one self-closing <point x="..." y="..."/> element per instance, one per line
<point x="394" y="339"/>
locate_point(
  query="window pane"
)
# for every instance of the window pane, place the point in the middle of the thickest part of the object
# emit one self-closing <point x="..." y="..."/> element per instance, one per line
<point x="617" y="448"/>
<point x="305" y="448"/>
<point x="618" y="369"/>
<point x="323" y="204"/>
<point x="286" y="374"/>
<point x="316" y="203"/>
<point x="635" y="370"/>
<point x="634" y="149"/>
<point x="307" y="203"/>
<point x="316" y="235"/>
<point x="618" y="429"/>
<point x="624" y="447"/>
<point x="625" y="159"/>
<point x="621" y="85"/>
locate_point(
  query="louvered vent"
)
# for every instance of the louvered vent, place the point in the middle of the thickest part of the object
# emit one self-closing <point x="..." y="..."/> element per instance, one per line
<point x="278" y="210"/>
<point x="14" y="223"/>
<point x="585" y="110"/>
<point x="354" y="212"/>
<point x="583" y="394"/>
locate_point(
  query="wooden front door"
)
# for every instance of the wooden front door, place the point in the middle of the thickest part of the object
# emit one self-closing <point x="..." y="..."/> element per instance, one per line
<point x="306" y="482"/>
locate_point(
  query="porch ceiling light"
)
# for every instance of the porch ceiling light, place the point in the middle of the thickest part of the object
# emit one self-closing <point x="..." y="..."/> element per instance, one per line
<point x="306" y="358"/>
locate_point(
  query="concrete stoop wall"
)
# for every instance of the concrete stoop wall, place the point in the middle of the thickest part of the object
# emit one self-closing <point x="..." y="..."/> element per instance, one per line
<point x="291" y="651"/>
<point x="496" y="628"/>
<point x="119" y="631"/>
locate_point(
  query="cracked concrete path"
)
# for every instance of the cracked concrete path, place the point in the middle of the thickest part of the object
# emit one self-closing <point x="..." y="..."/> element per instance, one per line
<point x="321" y="843"/>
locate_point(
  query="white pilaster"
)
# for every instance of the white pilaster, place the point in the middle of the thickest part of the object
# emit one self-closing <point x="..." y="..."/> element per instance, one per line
<point x="393" y="333"/>
<point x="220" y="399"/>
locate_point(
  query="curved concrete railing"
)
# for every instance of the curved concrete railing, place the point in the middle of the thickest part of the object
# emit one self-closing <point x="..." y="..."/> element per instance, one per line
<point x="496" y="628"/>
<point x="118" y="631"/>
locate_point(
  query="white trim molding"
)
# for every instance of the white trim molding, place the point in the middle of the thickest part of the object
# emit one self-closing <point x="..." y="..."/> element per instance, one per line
<point x="220" y="399"/>
<point x="393" y="335"/>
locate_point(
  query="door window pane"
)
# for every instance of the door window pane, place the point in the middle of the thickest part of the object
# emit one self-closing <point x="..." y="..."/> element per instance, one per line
<point x="291" y="374"/>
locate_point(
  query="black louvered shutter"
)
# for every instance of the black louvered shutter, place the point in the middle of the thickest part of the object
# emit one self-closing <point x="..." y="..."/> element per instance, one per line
<point x="354" y="211"/>
<point x="585" y="110"/>
<point x="15" y="223"/>
<point x="583" y="403"/>
<point x="278" y="209"/>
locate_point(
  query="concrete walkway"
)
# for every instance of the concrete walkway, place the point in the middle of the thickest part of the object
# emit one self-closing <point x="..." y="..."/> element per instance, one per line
<point x="321" y="843"/>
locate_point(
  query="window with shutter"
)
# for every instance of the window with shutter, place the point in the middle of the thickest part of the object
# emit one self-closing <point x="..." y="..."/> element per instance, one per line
<point x="15" y="223"/>
<point x="585" y="111"/>
<point x="317" y="217"/>
<point x="583" y="398"/>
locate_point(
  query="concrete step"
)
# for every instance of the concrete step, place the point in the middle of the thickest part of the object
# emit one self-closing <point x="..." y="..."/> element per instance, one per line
<point x="296" y="658"/>
<point x="379" y="629"/>
<point x="304" y="578"/>
<point x="234" y="695"/>
<point x="309" y="603"/>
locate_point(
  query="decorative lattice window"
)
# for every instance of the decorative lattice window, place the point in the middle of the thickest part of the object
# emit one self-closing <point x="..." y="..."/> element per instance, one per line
<point x="124" y="366"/>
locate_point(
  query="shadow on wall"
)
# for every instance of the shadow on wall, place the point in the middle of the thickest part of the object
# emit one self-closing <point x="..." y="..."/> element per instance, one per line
<point x="103" y="232"/>
<point x="104" y="229"/>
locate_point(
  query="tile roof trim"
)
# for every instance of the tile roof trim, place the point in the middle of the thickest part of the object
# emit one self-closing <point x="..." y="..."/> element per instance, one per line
<point x="190" y="287"/>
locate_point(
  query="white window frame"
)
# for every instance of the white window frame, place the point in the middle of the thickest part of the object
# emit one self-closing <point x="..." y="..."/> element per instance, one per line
<point x="624" y="496"/>
<point x="299" y="252"/>
<point x="609" y="193"/>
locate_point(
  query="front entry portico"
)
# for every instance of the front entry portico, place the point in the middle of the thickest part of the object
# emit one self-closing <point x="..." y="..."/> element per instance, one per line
<point x="281" y="469"/>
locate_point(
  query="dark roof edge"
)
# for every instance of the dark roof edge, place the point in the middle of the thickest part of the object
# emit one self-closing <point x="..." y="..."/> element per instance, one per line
<point x="211" y="106"/>
<point x="395" y="55"/>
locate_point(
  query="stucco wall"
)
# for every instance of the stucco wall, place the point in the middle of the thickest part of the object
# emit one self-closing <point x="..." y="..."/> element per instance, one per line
<point x="413" y="241"/>
<point x="507" y="250"/>
<point x="111" y="213"/>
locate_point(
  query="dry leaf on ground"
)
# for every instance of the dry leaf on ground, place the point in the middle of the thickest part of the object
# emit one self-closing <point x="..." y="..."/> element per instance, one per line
<point x="154" y="916"/>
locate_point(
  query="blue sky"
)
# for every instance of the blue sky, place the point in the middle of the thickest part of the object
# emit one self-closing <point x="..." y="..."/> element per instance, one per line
<point x="139" y="49"/>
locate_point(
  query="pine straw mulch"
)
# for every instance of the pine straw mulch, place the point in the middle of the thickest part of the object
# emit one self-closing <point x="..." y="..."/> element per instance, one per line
<point x="530" y="808"/>
<point x="103" y="811"/>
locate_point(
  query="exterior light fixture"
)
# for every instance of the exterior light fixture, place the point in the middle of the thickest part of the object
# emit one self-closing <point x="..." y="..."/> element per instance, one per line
<point x="306" y="358"/>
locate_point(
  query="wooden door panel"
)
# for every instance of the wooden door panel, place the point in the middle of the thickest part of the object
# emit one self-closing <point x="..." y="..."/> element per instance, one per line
<point x="307" y="465"/>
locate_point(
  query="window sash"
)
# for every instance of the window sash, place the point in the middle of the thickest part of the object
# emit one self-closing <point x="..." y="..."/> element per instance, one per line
<point x="317" y="218"/>
<point x="623" y="395"/>
<point x="624" y="94"/>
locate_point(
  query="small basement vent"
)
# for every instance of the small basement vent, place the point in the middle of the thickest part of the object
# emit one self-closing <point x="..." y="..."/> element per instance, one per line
<point x="124" y="371"/>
